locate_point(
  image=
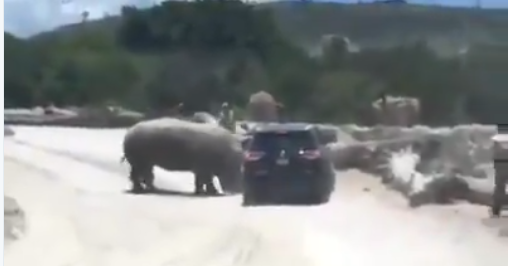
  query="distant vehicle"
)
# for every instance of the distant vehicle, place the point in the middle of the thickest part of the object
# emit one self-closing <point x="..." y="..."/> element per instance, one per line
<point x="499" y="196"/>
<point x="285" y="163"/>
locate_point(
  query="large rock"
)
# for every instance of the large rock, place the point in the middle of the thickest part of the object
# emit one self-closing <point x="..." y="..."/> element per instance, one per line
<point x="412" y="165"/>
<point x="95" y="117"/>
<point x="351" y="155"/>
<point x="469" y="149"/>
<point x="14" y="220"/>
<point x="330" y="134"/>
<point x="420" y="188"/>
<point x="8" y="131"/>
<point x="382" y="132"/>
<point x="448" y="164"/>
<point x="35" y="116"/>
<point x="440" y="190"/>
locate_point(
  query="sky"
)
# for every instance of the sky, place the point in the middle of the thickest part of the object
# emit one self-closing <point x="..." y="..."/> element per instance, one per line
<point x="28" y="17"/>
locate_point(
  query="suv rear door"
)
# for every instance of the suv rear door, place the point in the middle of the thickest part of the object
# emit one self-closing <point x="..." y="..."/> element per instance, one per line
<point x="283" y="151"/>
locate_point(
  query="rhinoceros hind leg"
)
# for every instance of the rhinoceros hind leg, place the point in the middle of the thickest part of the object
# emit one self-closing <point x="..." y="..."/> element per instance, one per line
<point x="148" y="179"/>
<point x="135" y="178"/>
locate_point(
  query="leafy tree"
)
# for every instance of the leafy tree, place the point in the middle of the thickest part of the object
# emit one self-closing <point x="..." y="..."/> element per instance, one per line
<point x="208" y="51"/>
<point x="21" y="73"/>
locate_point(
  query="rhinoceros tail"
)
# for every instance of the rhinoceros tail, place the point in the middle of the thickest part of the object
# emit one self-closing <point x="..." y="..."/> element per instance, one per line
<point x="122" y="159"/>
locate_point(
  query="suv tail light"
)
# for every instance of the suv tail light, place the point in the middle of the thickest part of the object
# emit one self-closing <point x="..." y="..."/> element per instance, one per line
<point x="310" y="154"/>
<point x="251" y="156"/>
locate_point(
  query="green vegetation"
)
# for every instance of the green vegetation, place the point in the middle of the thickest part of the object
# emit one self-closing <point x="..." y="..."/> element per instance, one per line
<point x="209" y="51"/>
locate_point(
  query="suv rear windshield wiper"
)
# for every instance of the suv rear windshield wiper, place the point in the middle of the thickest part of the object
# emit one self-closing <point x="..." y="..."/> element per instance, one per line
<point x="277" y="141"/>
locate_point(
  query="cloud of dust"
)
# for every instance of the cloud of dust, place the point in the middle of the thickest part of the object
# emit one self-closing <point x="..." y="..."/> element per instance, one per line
<point x="402" y="165"/>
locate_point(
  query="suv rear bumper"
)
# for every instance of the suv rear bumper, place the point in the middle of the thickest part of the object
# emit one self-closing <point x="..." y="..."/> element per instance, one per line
<point x="287" y="188"/>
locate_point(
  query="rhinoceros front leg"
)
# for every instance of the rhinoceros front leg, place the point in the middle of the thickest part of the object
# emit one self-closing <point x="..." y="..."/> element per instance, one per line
<point x="209" y="186"/>
<point x="203" y="183"/>
<point x="199" y="183"/>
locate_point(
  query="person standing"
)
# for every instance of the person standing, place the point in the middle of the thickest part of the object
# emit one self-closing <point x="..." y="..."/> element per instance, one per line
<point x="227" y="117"/>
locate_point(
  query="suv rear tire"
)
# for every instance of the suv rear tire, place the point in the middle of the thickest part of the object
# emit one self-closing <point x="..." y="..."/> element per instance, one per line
<point x="495" y="210"/>
<point x="248" y="199"/>
<point x="318" y="198"/>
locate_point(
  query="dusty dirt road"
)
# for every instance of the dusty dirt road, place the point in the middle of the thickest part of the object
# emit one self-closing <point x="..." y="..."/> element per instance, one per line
<point x="70" y="183"/>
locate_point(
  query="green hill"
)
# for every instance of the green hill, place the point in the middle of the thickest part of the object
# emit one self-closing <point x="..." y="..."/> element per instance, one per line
<point x="226" y="49"/>
<point x="380" y="23"/>
<point x="371" y="25"/>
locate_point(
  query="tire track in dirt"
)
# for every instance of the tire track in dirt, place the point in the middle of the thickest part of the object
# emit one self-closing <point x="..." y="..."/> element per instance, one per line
<point x="169" y="186"/>
<point x="176" y="231"/>
<point x="112" y="228"/>
<point x="101" y="164"/>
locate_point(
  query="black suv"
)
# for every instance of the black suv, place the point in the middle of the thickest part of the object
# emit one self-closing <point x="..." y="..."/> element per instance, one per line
<point x="285" y="163"/>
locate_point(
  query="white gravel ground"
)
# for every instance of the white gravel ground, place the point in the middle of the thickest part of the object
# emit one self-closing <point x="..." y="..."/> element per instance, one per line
<point x="70" y="183"/>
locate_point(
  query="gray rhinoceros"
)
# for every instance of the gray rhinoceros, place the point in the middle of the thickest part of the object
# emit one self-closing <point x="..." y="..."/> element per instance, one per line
<point x="227" y="117"/>
<point x="204" y="117"/>
<point x="176" y="145"/>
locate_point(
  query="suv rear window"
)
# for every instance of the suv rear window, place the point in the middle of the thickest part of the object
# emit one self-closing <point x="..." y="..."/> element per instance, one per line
<point x="292" y="141"/>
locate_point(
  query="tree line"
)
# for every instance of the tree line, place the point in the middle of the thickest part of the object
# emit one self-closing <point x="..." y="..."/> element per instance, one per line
<point x="209" y="51"/>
